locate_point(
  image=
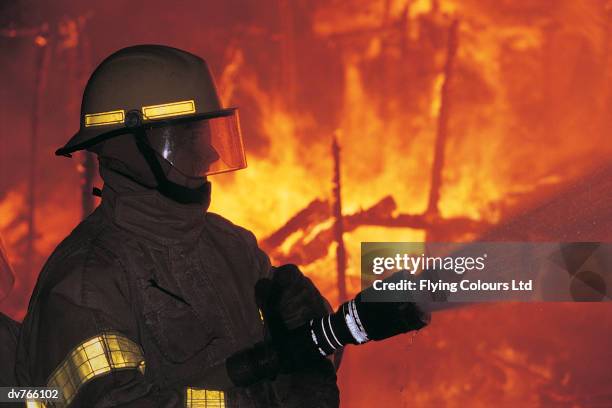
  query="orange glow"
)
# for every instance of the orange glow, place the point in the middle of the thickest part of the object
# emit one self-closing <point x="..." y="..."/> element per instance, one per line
<point x="40" y="41"/>
<point x="528" y="104"/>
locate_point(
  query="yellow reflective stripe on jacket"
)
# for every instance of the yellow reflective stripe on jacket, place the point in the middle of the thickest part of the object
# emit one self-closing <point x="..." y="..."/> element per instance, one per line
<point x="201" y="398"/>
<point x="93" y="358"/>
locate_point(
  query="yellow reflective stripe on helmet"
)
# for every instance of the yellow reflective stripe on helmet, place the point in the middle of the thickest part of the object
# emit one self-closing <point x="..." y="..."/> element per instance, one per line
<point x="104" y="118"/>
<point x="166" y="110"/>
<point x="93" y="358"/>
<point x="201" y="398"/>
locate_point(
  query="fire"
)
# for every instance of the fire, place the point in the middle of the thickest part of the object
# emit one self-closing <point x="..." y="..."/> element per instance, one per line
<point x="13" y="225"/>
<point x="528" y="113"/>
<point x="387" y="124"/>
<point x="387" y="145"/>
<point x="246" y="194"/>
<point x="56" y="223"/>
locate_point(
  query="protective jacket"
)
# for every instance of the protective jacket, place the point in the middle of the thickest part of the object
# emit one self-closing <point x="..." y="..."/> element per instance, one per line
<point x="143" y="302"/>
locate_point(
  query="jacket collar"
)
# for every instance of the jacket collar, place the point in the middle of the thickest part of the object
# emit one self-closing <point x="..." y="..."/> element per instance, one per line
<point x="148" y="214"/>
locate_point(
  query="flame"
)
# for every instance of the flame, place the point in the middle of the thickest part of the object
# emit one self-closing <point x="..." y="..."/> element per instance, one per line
<point x="526" y="116"/>
<point x="386" y="146"/>
<point x="10" y="208"/>
<point x="246" y="194"/>
<point x="55" y="223"/>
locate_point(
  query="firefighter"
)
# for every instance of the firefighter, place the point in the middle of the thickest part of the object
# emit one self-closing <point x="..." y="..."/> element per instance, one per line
<point x="142" y="304"/>
<point x="152" y="301"/>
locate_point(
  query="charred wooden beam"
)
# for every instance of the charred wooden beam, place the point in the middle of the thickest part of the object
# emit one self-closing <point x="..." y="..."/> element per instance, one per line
<point x="42" y="62"/>
<point x="443" y="114"/>
<point x="289" y="70"/>
<point x="314" y="213"/>
<point x="338" y="223"/>
<point x="309" y="249"/>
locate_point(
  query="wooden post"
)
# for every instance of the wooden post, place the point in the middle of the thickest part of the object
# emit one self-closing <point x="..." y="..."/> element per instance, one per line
<point x="288" y="54"/>
<point x="42" y="61"/>
<point x="338" y="223"/>
<point x="438" y="161"/>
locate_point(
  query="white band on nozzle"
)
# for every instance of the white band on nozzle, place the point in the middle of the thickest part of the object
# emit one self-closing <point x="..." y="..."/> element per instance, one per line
<point x="354" y="323"/>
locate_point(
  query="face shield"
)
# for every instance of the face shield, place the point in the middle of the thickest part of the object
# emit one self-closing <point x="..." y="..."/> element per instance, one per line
<point x="202" y="147"/>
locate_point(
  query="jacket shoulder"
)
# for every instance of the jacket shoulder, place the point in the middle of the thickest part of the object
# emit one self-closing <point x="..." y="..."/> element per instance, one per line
<point x="82" y="257"/>
<point x="81" y="291"/>
<point x="222" y="225"/>
<point x="243" y="240"/>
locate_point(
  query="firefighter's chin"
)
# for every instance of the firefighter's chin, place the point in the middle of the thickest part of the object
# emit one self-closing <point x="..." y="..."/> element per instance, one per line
<point x="175" y="176"/>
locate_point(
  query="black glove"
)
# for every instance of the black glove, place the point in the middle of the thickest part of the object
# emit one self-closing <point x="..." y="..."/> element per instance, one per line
<point x="288" y="301"/>
<point x="295" y="297"/>
<point x="355" y="322"/>
<point x="299" y="301"/>
<point x="290" y="297"/>
<point x="381" y="319"/>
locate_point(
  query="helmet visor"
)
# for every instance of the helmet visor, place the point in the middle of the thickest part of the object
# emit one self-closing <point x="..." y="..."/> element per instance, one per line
<point x="203" y="147"/>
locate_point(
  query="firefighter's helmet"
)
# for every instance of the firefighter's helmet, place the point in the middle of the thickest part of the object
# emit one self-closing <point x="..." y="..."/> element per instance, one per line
<point x="152" y="86"/>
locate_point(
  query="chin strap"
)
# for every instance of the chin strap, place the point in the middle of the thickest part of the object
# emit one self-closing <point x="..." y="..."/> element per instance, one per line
<point x="167" y="188"/>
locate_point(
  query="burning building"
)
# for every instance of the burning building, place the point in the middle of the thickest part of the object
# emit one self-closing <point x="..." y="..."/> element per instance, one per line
<point x="451" y="120"/>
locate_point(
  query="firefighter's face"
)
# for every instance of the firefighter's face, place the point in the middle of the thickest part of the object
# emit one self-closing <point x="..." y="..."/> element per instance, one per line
<point x="186" y="146"/>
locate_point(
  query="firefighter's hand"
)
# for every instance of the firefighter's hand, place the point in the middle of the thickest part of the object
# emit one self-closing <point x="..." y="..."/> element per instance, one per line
<point x="294" y="347"/>
<point x="295" y="296"/>
<point x="383" y="319"/>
